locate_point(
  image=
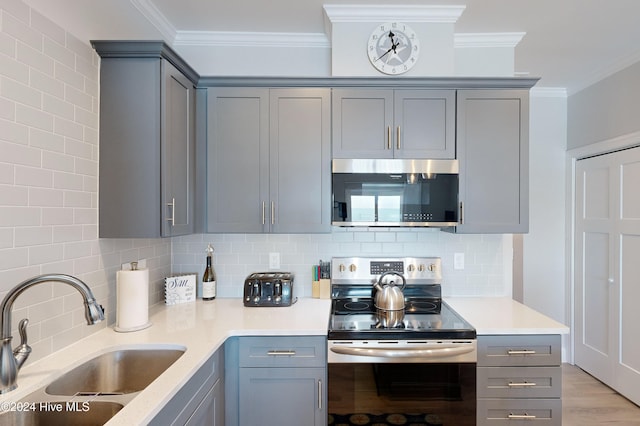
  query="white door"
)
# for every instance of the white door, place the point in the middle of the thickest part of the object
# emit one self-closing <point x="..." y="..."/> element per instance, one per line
<point x="607" y="269"/>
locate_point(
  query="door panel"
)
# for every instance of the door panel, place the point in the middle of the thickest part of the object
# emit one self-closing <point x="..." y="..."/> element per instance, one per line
<point x="607" y="289"/>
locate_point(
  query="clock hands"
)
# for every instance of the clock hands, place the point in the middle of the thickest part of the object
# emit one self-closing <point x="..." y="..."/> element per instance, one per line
<point x="394" y="45"/>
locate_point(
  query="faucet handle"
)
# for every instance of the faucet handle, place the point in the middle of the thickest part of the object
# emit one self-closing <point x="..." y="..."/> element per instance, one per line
<point x="22" y="351"/>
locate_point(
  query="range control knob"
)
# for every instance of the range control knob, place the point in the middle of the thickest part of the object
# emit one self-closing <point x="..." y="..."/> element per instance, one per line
<point x="421" y="268"/>
<point x="352" y="267"/>
<point x="411" y="267"/>
<point x="432" y="267"/>
<point x="342" y="268"/>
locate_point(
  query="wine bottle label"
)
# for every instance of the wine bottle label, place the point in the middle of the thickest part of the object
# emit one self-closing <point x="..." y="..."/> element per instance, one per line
<point x="208" y="289"/>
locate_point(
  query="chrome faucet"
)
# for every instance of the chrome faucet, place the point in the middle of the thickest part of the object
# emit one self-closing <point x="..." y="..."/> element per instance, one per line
<point x="12" y="360"/>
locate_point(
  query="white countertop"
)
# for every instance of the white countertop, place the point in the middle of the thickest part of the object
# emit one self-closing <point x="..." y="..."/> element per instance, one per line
<point x="202" y="327"/>
<point x="501" y="315"/>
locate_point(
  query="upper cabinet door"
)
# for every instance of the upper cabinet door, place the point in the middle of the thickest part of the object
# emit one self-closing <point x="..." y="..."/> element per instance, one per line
<point x="362" y="123"/>
<point x="238" y="160"/>
<point x="178" y="145"/>
<point x="300" y="178"/>
<point x="146" y="145"/>
<point x="493" y="151"/>
<point x="385" y="123"/>
<point x="424" y="124"/>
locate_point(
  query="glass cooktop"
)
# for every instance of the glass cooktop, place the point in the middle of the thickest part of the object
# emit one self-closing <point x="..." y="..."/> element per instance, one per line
<point x="436" y="321"/>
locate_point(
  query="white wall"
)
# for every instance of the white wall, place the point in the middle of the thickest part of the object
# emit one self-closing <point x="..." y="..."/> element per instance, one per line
<point x="49" y="87"/>
<point x="544" y="246"/>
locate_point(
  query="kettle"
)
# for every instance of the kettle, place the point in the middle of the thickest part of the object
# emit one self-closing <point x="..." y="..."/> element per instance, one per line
<point x="389" y="297"/>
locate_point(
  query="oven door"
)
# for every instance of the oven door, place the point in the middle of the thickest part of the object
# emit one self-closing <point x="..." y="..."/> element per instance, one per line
<point x="400" y="382"/>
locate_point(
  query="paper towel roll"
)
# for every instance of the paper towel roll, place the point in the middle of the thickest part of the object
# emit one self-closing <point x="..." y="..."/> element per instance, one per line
<point x="132" y="300"/>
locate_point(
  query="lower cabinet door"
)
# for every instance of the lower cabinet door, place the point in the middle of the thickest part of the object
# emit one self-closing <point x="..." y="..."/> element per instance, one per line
<point x="211" y="409"/>
<point x="282" y="396"/>
<point x="519" y="412"/>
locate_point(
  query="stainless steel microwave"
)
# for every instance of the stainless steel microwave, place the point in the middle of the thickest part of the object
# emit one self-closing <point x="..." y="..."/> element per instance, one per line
<point x="395" y="192"/>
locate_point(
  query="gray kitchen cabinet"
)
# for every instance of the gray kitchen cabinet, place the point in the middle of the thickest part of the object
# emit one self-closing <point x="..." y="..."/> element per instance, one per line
<point x="519" y="378"/>
<point x="201" y="400"/>
<point x="386" y="123"/>
<point x="147" y="110"/>
<point x="268" y="160"/>
<point x="280" y="381"/>
<point x="493" y="153"/>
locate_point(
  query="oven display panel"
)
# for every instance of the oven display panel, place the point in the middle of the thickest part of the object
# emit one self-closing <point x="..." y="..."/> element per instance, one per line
<point x="378" y="268"/>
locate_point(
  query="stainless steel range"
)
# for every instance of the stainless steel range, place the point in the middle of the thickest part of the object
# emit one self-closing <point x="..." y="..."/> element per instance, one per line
<point x="412" y="356"/>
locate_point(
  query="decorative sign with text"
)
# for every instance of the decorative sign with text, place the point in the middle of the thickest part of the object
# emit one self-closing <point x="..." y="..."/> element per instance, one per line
<point x="180" y="289"/>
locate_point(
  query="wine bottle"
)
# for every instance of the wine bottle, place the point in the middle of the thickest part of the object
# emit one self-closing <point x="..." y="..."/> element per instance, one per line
<point x="209" y="277"/>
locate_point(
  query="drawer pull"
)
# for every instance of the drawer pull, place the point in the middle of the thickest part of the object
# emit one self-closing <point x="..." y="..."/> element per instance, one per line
<point x="524" y="416"/>
<point x="281" y="353"/>
<point x="521" y="352"/>
<point x="522" y="384"/>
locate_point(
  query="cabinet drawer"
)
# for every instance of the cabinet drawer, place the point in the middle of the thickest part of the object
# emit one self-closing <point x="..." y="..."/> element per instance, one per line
<point x="283" y="351"/>
<point x="519" y="350"/>
<point x="519" y="411"/>
<point x="519" y="382"/>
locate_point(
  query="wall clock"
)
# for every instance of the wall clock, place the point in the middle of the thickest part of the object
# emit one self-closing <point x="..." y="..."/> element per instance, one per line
<point x="393" y="48"/>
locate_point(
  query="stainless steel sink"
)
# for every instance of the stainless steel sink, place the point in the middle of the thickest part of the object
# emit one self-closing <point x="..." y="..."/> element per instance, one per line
<point x="77" y="414"/>
<point x="117" y="372"/>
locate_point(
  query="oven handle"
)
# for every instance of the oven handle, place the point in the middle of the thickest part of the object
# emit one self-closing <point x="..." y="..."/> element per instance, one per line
<point x="447" y="350"/>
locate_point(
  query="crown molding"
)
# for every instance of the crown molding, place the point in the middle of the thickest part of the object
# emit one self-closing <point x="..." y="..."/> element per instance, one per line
<point x="464" y="40"/>
<point x="386" y="13"/>
<point x="157" y="19"/>
<point x="251" y="39"/>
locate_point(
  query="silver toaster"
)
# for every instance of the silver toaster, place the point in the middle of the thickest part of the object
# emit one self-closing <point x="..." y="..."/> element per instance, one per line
<point x="268" y="289"/>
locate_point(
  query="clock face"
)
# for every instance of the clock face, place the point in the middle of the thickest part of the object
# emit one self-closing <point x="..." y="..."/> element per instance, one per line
<point x="393" y="48"/>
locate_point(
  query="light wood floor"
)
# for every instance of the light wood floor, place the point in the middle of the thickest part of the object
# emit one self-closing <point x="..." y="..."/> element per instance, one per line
<point x="588" y="402"/>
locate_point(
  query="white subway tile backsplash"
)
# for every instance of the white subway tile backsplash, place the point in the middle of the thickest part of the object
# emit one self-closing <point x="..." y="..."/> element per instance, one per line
<point x="59" y="108"/>
<point x="46" y="140"/>
<point x="20" y="93"/>
<point x="63" y="180"/>
<point x="68" y="75"/>
<point x="45" y="254"/>
<point x="67" y="128"/>
<point x="34" y="58"/>
<point x="12" y="134"/>
<point x="7" y="46"/>
<point x="17" y="9"/>
<point x="19" y="216"/>
<point x="33" y="177"/>
<point x="14" y="195"/>
<point x="55" y="161"/>
<point x="33" y="235"/>
<point x="42" y="197"/>
<point x="34" y="117"/>
<point x="45" y="26"/>
<point x="237" y="255"/>
<point x="58" y="51"/>
<point x="20" y="30"/>
<point x="57" y="216"/>
<point x="13" y="258"/>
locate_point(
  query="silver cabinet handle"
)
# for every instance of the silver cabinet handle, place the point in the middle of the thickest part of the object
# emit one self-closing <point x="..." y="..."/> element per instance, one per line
<point x="521" y="352"/>
<point x="522" y="384"/>
<point x="277" y="352"/>
<point x="524" y="416"/>
<point x="319" y="394"/>
<point x="263" y="206"/>
<point x="461" y="219"/>
<point x="398" y="138"/>
<point x="172" y="219"/>
<point x="388" y="137"/>
<point x="273" y="213"/>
